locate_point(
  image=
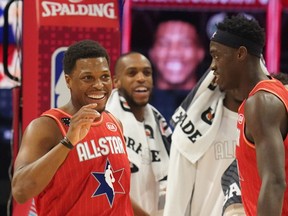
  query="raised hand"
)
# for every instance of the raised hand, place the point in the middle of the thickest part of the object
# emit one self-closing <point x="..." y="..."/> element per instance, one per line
<point x="81" y="122"/>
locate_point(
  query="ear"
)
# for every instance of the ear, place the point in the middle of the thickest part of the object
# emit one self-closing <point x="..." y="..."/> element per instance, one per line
<point x="116" y="82"/>
<point x="242" y="53"/>
<point x="68" y="81"/>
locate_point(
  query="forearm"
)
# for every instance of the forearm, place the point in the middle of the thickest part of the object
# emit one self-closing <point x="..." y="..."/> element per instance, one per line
<point x="30" y="180"/>
<point x="271" y="199"/>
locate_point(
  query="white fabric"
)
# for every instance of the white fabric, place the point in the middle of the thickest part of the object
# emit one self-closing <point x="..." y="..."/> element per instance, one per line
<point x="141" y="147"/>
<point x="201" y="180"/>
<point x="205" y="98"/>
<point x="194" y="178"/>
<point x="143" y="188"/>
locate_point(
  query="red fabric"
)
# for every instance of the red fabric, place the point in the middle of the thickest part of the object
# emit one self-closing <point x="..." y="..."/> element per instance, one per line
<point x="246" y="155"/>
<point x="80" y="186"/>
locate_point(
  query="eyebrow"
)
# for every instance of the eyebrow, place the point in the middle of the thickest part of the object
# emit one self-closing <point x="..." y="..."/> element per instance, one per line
<point x="145" y="67"/>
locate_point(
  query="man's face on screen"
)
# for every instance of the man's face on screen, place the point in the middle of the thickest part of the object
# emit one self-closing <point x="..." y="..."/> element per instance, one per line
<point x="176" y="52"/>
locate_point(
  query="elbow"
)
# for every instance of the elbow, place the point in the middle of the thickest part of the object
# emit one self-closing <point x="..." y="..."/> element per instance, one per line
<point x="19" y="196"/>
<point x="280" y="185"/>
<point x="19" y="192"/>
<point x="276" y="184"/>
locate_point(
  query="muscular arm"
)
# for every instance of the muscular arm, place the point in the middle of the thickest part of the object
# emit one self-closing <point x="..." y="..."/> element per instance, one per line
<point x="36" y="164"/>
<point x="41" y="154"/>
<point x="266" y="124"/>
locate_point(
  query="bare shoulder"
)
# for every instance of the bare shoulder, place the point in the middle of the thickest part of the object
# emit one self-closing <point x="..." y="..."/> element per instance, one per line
<point x="40" y="136"/>
<point x="265" y="112"/>
<point x="263" y="104"/>
<point x="43" y="128"/>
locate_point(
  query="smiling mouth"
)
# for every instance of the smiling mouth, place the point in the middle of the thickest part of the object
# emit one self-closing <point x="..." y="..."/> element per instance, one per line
<point x="216" y="78"/>
<point x="174" y="65"/>
<point x="96" y="97"/>
<point x="141" y="89"/>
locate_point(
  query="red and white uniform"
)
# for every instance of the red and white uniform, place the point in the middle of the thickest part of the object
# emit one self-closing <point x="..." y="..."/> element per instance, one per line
<point x="246" y="155"/>
<point x="94" y="178"/>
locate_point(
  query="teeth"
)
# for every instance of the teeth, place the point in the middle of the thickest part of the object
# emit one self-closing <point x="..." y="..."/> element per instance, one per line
<point x="141" y="89"/>
<point x="174" y="65"/>
<point x="96" y="96"/>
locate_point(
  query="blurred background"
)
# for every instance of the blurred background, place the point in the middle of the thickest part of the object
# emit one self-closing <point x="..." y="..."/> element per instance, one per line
<point x="35" y="34"/>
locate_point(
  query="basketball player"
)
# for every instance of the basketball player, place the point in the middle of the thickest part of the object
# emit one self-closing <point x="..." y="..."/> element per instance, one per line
<point x="262" y="153"/>
<point x="230" y="179"/>
<point x="146" y="132"/>
<point x="66" y="152"/>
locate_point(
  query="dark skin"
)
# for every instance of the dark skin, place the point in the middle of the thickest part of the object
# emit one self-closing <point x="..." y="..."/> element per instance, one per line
<point x="41" y="154"/>
<point x="264" y="107"/>
<point x="266" y="121"/>
<point x="232" y="100"/>
<point x="133" y="79"/>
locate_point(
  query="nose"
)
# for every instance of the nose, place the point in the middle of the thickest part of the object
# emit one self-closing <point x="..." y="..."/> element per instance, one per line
<point x="140" y="77"/>
<point x="98" y="84"/>
<point x="213" y="65"/>
<point x="173" y="50"/>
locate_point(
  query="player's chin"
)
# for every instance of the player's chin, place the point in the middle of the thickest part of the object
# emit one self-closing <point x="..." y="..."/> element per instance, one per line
<point x="221" y="85"/>
<point x="142" y="103"/>
<point x="222" y="89"/>
<point x="100" y="107"/>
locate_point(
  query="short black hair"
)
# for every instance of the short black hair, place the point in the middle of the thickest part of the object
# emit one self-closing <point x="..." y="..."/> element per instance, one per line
<point x="123" y="55"/>
<point x="116" y="72"/>
<point x="282" y="77"/>
<point x="244" y="27"/>
<point x="83" y="49"/>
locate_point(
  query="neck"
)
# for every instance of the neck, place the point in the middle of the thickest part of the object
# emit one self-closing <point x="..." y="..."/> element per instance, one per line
<point x="254" y="74"/>
<point x="69" y="108"/>
<point x="232" y="101"/>
<point x="138" y="112"/>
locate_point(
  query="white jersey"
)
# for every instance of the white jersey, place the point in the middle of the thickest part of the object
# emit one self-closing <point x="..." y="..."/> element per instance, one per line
<point x="144" y="189"/>
<point x="195" y="189"/>
<point x="148" y="144"/>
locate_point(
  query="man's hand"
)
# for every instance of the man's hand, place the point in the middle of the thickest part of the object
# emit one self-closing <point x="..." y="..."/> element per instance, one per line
<point x="81" y="122"/>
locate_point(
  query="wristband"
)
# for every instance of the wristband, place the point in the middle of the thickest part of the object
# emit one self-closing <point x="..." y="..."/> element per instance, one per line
<point x="66" y="142"/>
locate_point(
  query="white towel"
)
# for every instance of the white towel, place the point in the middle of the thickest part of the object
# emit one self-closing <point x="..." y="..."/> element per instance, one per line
<point x="159" y="132"/>
<point x="194" y="133"/>
<point x="198" y="119"/>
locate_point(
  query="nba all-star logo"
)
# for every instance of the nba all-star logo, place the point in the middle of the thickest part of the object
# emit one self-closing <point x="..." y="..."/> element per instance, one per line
<point x="109" y="183"/>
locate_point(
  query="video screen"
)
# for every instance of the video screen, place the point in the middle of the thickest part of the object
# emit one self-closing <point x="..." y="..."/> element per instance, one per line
<point x="177" y="44"/>
<point x="284" y="43"/>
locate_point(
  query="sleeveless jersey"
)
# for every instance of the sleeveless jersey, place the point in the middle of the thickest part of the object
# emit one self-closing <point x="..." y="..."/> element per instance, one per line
<point x="246" y="155"/>
<point x="94" y="178"/>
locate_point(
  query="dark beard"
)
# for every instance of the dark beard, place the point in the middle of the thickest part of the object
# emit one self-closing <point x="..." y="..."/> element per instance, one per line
<point x="131" y="102"/>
